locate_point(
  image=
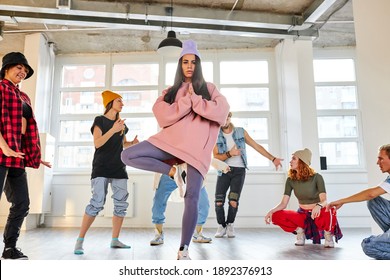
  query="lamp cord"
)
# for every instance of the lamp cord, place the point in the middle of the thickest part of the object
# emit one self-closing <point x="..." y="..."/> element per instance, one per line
<point x="171" y="12"/>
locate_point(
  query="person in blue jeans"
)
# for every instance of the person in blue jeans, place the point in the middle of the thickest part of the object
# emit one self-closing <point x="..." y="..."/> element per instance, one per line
<point x="165" y="188"/>
<point x="375" y="246"/>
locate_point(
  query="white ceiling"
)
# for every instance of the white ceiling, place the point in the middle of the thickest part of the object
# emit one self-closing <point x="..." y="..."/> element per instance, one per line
<point x="140" y="25"/>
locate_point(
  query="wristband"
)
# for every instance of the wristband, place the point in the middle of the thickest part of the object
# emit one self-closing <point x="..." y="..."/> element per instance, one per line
<point x="273" y="159"/>
<point x="228" y="154"/>
<point x="319" y="205"/>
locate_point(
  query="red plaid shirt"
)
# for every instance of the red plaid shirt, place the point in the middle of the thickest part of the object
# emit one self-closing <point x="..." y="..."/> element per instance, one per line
<point x="11" y="128"/>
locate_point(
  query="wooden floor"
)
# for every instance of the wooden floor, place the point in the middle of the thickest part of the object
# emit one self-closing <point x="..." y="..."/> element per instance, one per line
<point x="249" y="244"/>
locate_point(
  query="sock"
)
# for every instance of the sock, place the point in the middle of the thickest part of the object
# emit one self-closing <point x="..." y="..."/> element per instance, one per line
<point x="78" y="248"/>
<point x="159" y="228"/>
<point x="173" y="176"/>
<point x="115" y="243"/>
<point x="198" y="228"/>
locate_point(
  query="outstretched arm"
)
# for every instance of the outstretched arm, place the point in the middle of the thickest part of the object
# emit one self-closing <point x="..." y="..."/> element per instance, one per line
<point x="259" y="148"/>
<point x="282" y="205"/>
<point x="367" y="194"/>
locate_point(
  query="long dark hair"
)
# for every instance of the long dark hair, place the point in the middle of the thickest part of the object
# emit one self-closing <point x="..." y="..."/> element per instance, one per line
<point x="198" y="82"/>
<point x="108" y="107"/>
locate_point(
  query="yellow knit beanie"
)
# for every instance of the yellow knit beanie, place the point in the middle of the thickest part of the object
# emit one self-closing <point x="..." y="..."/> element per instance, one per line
<point x="108" y="96"/>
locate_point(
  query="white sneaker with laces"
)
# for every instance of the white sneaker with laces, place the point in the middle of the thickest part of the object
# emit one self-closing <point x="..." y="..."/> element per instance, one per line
<point x="221" y="232"/>
<point x="300" y="237"/>
<point x="198" y="237"/>
<point x="328" y="240"/>
<point x="184" y="255"/>
<point x="158" y="239"/>
<point x="230" y="231"/>
<point x="179" y="178"/>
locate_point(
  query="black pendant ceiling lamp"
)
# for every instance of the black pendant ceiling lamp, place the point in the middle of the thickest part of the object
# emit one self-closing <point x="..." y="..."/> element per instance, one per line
<point x="170" y="46"/>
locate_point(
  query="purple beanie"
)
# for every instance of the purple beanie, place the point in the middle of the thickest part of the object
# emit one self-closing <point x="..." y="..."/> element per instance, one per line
<point x="189" y="47"/>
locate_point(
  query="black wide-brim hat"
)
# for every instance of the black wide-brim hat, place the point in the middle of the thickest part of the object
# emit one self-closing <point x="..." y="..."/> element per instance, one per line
<point x="14" y="58"/>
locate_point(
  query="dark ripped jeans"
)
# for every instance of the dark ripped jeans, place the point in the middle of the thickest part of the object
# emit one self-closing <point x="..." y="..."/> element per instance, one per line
<point x="234" y="180"/>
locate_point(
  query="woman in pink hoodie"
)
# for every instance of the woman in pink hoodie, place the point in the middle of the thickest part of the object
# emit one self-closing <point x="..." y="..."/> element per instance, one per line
<point x="190" y="114"/>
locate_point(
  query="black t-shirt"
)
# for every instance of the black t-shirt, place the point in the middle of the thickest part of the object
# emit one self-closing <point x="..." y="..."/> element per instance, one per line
<point x="107" y="159"/>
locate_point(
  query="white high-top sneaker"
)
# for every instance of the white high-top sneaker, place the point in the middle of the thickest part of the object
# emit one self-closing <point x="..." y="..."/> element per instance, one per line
<point x="300" y="237"/>
<point x="221" y="232"/>
<point x="180" y="178"/>
<point x="198" y="237"/>
<point x="158" y="238"/>
<point x="184" y="255"/>
<point x="328" y="240"/>
<point x="230" y="231"/>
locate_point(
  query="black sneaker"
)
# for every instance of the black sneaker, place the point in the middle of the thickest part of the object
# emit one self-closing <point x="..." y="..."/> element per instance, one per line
<point x="13" y="253"/>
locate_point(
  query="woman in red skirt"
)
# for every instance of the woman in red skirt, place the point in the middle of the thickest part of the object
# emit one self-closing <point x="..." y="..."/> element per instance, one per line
<point x="311" y="220"/>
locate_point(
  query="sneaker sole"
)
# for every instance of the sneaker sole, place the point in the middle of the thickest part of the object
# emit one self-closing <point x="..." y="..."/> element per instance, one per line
<point x="156" y="243"/>
<point x="201" y="241"/>
<point x="22" y="259"/>
<point x="329" y="246"/>
<point x="119" y="247"/>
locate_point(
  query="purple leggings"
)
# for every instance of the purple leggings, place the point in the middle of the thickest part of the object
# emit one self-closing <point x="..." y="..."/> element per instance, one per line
<point x="148" y="157"/>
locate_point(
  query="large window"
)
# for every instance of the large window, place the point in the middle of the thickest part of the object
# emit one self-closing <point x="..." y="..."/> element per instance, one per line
<point x="140" y="79"/>
<point x="245" y="83"/>
<point x="80" y="101"/>
<point x="338" y="111"/>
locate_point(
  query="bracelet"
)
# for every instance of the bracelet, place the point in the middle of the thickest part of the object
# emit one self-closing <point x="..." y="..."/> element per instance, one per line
<point x="319" y="205"/>
<point x="228" y="154"/>
<point x="273" y="159"/>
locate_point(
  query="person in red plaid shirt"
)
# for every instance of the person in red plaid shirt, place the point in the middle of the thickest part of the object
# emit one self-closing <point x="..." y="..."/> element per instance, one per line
<point x="19" y="147"/>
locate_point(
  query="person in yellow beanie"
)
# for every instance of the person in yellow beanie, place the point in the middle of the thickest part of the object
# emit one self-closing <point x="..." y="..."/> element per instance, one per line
<point x="109" y="136"/>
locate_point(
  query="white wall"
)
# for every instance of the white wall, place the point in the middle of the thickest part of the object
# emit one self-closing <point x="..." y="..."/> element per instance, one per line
<point x="373" y="72"/>
<point x="262" y="191"/>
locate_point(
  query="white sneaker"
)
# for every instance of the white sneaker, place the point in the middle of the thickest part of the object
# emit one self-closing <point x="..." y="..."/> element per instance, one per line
<point x="158" y="239"/>
<point x="328" y="240"/>
<point x="184" y="255"/>
<point x="221" y="232"/>
<point x="198" y="237"/>
<point x="179" y="178"/>
<point x="300" y="237"/>
<point x="230" y="231"/>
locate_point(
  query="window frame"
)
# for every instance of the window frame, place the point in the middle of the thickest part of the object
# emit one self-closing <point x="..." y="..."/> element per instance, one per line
<point x="332" y="55"/>
<point x="109" y="60"/>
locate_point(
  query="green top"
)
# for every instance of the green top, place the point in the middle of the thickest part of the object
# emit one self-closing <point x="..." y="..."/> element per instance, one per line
<point x="307" y="192"/>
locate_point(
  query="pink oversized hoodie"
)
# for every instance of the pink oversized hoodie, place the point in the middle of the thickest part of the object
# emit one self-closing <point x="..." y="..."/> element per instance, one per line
<point x="190" y="125"/>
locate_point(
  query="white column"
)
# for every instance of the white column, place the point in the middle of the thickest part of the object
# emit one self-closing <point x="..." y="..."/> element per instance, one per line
<point x="373" y="72"/>
<point x="40" y="56"/>
<point x="294" y="61"/>
<point x="38" y="87"/>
